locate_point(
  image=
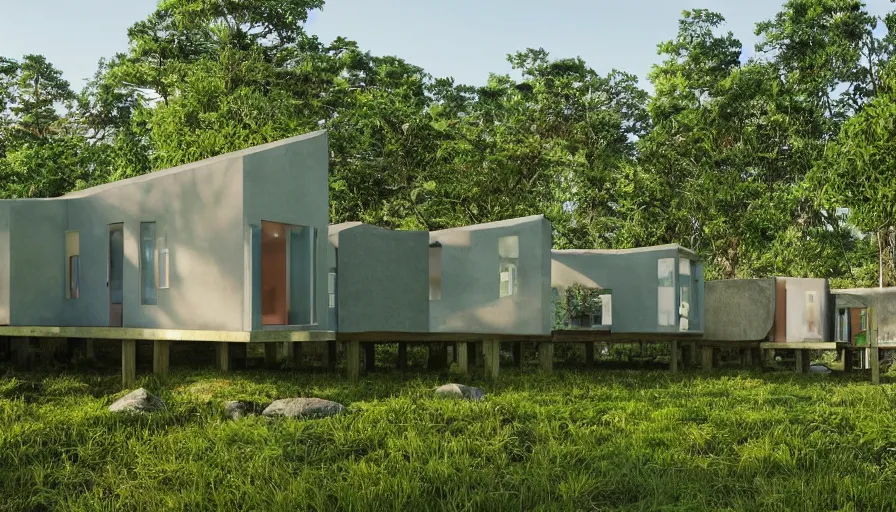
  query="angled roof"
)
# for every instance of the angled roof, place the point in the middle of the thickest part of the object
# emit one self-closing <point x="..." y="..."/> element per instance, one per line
<point x="628" y="251"/>
<point x="191" y="166"/>
<point x="497" y="224"/>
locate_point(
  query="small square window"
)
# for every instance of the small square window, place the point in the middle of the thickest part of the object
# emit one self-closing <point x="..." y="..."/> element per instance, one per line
<point x="331" y="288"/>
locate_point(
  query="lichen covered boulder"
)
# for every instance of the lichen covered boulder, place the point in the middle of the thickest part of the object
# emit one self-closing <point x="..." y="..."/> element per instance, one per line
<point x="460" y="391"/>
<point x="138" y="400"/>
<point x="303" y="408"/>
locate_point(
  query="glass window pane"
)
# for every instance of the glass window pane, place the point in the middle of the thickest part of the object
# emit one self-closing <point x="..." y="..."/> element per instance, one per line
<point x="147" y="263"/>
<point x="74" y="273"/>
<point x="163" y="268"/>
<point x="666" y="292"/>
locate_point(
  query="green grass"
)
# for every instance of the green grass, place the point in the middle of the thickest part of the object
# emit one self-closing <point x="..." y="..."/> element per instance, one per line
<point x="598" y="440"/>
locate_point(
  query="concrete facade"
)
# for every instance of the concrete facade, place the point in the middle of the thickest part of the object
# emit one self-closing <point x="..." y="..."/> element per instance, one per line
<point x="205" y="214"/>
<point x="784" y="309"/>
<point x="883" y="300"/>
<point x="633" y="277"/>
<point x="381" y="278"/>
<point x="471" y="263"/>
<point x="740" y="309"/>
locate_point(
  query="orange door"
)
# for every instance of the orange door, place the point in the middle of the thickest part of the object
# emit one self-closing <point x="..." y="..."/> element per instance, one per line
<point x="274" y="298"/>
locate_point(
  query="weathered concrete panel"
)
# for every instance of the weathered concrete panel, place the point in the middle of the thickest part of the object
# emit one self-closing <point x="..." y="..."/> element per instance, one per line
<point x="382" y="279"/>
<point x="4" y="263"/>
<point x="37" y="267"/>
<point x="471" y="301"/>
<point x="739" y="309"/>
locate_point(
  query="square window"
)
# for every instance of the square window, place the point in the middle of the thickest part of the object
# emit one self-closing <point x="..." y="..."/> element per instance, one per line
<point x="72" y="267"/>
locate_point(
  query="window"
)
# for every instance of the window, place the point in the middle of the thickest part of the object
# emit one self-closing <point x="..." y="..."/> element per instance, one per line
<point x="435" y="273"/>
<point x="666" y="292"/>
<point x="148" y="263"/>
<point x="163" y="268"/>
<point x="508" y="254"/>
<point x="684" y="292"/>
<point x="73" y="264"/>
<point x="811" y="313"/>
<point x="606" y="307"/>
<point x="331" y="287"/>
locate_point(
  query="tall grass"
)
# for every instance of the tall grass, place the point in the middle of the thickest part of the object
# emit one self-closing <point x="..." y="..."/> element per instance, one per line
<point x="599" y="440"/>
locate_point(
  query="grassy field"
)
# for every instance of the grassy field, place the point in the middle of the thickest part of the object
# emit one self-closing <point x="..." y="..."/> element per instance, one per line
<point x="597" y="440"/>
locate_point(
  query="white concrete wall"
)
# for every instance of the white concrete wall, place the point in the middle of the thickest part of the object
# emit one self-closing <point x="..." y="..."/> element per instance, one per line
<point x="471" y="301"/>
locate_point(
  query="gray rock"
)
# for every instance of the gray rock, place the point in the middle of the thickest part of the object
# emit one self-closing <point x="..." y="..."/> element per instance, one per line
<point x="460" y="391"/>
<point x="138" y="401"/>
<point x="819" y="368"/>
<point x="303" y="408"/>
<point x="237" y="409"/>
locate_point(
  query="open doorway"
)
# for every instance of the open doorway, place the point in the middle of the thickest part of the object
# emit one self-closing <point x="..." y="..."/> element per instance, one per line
<point x="288" y="274"/>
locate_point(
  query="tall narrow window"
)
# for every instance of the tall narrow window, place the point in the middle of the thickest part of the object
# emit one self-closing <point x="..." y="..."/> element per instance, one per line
<point x="435" y="272"/>
<point x="162" y="263"/>
<point x="72" y="264"/>
<point x="148" y="263"/>
<point x="684" y="292"/>
<point x="331" y="288"/>
<point x="666" y="292"/>
<point x="508" y="255"/>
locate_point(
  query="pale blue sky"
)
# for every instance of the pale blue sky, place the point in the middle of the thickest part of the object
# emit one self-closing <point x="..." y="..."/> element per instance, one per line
<point x="465" y="39"/>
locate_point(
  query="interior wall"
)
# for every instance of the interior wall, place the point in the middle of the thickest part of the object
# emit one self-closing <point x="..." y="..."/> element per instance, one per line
<point x="273" y="273"/>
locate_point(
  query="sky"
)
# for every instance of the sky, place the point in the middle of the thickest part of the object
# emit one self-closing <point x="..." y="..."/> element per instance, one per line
<point x="464" y="39"/>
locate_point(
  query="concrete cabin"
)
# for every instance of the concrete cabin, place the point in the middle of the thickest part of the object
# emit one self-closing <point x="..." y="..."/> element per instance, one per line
<point x="230" y="243"/>
<point x="645" y="290"/>
<point x="492" y="278"/>
<point x="378" y="279"/>
<point x="851" y="315"/>
<point x="782" y="309"/>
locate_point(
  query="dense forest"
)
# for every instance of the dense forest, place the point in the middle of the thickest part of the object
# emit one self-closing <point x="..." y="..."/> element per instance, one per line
<point x="780" y="164"/>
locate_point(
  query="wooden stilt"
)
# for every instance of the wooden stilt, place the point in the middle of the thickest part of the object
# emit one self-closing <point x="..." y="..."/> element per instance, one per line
<point x="589" y="354"/>
<point x="546" y="356"/>
<point x="353" y="361"/>
<point x="369" y="357"/>
<point x="161" y="351"/>
<point x="222" y="356"/>
<point x="694" y="354"/>
<point x="463" y="356"/>
<point x="239" y="355"/>
<point x="403" y="356"/>
<point x="128" y="363"/>
<point x="802" y="361"/>
<point x="271" y="353"/>
<point x="438" y="356"/>
<point x="707" y="357"/>
<point x="298" y="354"/>
<point x="89" y="352"/>
<point x="332" y="354"/>
<point x="848" y="359"/>
<point x="673" y="355"/>
<point x="491" y="355"/>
